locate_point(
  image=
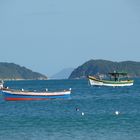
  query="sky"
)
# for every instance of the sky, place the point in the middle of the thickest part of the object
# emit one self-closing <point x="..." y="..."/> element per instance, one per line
<point x="50" y="35"/>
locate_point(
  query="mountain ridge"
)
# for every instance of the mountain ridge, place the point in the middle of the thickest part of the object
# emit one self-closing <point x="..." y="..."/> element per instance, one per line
<point x="63" y="74"/>
<point x="12" y="71"/>
<point x="100" y="66"/>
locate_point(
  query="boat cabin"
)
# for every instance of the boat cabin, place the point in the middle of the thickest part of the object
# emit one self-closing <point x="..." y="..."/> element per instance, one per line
<point x="117" y="75"/>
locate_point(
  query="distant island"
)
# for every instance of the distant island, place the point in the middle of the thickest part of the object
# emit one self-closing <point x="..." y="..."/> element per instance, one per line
<point x="63" y="74"/>
<point x="94" y="67"/>
<point x="11" y="71"/>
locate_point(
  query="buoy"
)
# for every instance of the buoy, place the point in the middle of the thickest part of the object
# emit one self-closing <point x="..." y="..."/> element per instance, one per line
<point x="83" y="114"/>
<point x="117" y="112"/>
<point x="77" y="109"/>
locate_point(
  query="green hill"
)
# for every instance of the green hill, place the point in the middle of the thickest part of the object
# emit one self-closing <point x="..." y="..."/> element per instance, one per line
<point x="11" y="71"/>
<point x="94" y="67"/>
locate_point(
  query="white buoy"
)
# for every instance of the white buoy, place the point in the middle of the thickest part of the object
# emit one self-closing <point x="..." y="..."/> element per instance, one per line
<point x="77" y="109"/>
<point x="117" y="112"/>
<point x="83" y="113"/>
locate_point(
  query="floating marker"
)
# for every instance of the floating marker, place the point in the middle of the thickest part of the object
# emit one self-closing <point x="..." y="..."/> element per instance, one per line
<point x="117" y="112"/>
<point x="77" y="109"/>
<point x="83" y="114"/>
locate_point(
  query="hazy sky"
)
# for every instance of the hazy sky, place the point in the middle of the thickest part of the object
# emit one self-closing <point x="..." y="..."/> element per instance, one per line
<point x="49" y="35"/>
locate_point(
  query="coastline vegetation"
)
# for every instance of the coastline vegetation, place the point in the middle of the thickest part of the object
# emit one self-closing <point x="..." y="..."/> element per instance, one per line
<point x="103" y="67"/>
<point x="11" y="71"/>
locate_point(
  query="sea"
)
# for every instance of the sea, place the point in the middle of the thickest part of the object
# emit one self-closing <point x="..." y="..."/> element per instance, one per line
<point x="90" y="113"/>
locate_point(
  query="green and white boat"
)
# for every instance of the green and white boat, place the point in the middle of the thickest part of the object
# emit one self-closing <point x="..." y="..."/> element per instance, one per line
<point x="115" y="80"/>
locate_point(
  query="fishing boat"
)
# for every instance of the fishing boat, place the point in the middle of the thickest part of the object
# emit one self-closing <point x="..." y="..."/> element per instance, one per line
<point x="21" y="95"/>
<point x="115" y="80"/>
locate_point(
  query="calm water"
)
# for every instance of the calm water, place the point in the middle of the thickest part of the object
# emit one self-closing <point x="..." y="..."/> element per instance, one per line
<point x="58" y="119"/>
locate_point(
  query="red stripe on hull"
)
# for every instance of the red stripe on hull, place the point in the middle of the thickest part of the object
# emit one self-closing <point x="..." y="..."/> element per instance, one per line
<point x="24" y="99"/>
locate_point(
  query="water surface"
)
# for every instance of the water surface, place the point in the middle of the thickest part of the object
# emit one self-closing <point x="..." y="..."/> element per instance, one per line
<point x="58" y="119"/>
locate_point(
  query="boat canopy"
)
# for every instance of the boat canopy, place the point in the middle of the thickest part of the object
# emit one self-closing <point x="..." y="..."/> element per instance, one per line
<point x="118" y="73"/>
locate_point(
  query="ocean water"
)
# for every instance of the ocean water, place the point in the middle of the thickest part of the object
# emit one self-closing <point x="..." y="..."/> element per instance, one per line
<point x="59" y="119"/>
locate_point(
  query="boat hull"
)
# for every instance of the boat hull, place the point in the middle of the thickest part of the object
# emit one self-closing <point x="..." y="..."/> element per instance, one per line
<point x="21" y="96"/>
<point x="93" y="81"/>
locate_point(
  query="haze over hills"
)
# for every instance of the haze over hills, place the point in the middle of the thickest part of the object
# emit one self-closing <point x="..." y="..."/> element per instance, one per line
<point x="63" y="74"/>
<point x="94" y="67"/>
<point x="11" y="71"/>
